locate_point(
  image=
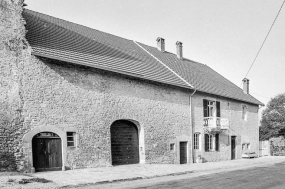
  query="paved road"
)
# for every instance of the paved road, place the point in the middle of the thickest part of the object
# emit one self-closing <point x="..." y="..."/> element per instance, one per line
<point x="254" y="178"/>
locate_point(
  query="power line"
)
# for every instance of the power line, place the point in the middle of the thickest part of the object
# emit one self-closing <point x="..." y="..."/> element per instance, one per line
<point x="260" y="95"/>
<point x="265" y="39"/>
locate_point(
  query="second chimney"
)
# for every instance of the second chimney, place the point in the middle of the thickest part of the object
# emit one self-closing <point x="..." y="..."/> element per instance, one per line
<point x="245" y="85"/>
<point x="179" y="50"/>
<point x="160" y="44"/>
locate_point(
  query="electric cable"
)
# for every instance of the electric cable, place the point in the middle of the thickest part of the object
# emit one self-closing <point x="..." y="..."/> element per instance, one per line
<point x="265" y="38"/>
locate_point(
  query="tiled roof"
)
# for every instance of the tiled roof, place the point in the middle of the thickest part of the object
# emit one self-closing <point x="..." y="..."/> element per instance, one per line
<point x="59" y="39"/>
<point x="201" y="76"/>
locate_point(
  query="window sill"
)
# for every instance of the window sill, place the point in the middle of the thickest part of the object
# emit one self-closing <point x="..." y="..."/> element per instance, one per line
<point x="71" y="147"/>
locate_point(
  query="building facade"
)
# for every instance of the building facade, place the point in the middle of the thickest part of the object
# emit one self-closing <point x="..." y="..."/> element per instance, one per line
<point x="73" y="97"/>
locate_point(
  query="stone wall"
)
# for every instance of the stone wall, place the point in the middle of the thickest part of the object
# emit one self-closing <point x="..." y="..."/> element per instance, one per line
<point x="246" y="131"/>
<point x="88" y="101"/>
<point x="14" y="52"/>
<point x="39" y="95"/>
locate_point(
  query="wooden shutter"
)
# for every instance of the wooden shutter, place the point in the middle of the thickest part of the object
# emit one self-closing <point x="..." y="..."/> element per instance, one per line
<point x="205" y="107"/>
<point x="206" y="142"/>
<point x="217" y="142"/>
<point x="218" y="106"/>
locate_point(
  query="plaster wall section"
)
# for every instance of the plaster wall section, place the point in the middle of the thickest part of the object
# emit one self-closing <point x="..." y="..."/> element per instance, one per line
<point x="14" y="52"/>
<point x="88" y="101"/>
<point x="246" y="131"/>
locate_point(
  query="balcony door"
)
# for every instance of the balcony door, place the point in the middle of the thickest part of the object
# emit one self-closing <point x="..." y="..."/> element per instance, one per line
<point x="211" y="108"/>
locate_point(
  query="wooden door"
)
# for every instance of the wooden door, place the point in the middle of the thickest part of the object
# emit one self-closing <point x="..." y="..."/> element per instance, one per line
<point x="124" y="143"/>
<point x="183" y="152"/>
<point x="47" y="153"/>
<point x="233" y="147"/>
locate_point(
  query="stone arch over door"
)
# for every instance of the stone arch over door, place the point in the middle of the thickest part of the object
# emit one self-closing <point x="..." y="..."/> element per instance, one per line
<point x="28" y="147"/>
<point x="126" y="145"/>
<point x="47" y="152"/>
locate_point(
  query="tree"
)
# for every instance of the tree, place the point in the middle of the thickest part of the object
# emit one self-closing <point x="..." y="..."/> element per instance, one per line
<point x="273" y="118"/>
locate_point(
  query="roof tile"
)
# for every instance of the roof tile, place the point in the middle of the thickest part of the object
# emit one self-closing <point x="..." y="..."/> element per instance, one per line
<point x="59" y="39"/>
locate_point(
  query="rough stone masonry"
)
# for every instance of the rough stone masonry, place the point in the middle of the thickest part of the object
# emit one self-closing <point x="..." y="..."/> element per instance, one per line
<point x="14" y="51"/>
<point x="38" y="93"/>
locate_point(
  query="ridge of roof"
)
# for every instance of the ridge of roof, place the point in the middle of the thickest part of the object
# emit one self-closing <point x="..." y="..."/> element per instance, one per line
<point x="165" y="66"/>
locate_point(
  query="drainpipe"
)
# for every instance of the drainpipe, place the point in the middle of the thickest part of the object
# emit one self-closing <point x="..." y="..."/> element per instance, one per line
<point x="191" y="122"/>
<point x="259" y="107"/>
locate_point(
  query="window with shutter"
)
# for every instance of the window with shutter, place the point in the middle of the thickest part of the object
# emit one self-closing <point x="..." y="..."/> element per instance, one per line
<point x="206" y="142"/>
<point x="211" y="108"/>
<point x="218" y="109"/>
<point x="205" y="108"/>
<point x="217" y="142"/>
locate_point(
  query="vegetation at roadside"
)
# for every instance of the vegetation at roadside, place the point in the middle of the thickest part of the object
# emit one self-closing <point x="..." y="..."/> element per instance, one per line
<point x="273" y="119"/>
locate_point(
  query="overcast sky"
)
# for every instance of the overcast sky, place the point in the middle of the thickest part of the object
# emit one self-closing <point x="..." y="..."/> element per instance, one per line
<point x="225" y="35"/>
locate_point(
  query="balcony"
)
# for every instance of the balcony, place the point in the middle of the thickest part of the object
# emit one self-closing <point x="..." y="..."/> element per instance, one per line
<point x="216" y="122"/>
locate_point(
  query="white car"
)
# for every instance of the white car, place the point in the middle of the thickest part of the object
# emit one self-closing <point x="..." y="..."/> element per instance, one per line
<point x="249" y="155"/>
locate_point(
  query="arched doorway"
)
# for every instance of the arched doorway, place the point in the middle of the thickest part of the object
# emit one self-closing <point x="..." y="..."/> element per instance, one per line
<point x="124" y="143"/>
<point x="47" y="152"/>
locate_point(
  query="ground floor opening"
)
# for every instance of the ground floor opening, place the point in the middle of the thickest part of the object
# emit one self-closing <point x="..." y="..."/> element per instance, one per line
<point x="124" y="143"/>
<point x="47" y="152"/>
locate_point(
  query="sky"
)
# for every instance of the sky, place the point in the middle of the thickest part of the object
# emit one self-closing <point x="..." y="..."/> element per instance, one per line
<point x="225" y="35"/>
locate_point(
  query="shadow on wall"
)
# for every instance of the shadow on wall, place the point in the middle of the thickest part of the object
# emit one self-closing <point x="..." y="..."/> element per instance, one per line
<point x="96" y="80"/>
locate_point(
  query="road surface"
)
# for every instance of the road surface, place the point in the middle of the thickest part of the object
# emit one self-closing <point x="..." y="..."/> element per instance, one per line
<point x="265" y="177"/>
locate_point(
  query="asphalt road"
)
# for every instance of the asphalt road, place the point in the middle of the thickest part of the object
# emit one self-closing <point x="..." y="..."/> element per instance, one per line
<point x="258" y="177"/>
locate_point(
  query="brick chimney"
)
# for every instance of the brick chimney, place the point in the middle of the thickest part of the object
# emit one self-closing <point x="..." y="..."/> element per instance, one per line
<point x="160" y="44"/>
<point x="245" y="85"/>
<point x="179" y="50"/>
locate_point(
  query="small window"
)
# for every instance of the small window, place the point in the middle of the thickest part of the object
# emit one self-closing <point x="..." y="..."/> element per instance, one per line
<point x="71" y="139"/>
<point x="248" y="146"/>
<point x="196" y="141"/>
<point x="172" y="146"/>
<point x="217" y="142"/>
<point x="244" y="112"/>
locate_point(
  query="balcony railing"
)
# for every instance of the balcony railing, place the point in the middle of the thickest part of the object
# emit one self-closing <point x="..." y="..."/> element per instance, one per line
<point x="216" y="122"/>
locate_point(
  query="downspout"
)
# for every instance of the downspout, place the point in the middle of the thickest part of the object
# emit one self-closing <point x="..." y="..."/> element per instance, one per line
<point x="259" y="107"/>
<point x="192" y="125"/>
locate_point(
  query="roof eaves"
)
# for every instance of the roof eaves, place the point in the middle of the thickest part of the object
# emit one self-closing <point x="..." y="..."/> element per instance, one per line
<point x="104" y="68"/>
<point x="238" y="99"/>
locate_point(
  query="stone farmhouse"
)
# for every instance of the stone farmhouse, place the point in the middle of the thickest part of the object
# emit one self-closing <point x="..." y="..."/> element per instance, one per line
<point x="74" y="97"/>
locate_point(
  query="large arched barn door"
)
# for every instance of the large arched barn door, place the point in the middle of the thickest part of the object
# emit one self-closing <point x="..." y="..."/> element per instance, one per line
<point x="47" y="152"/>
<point x="124" y="143"/>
